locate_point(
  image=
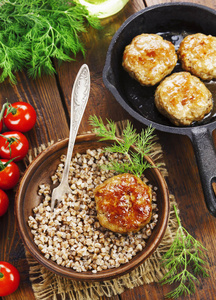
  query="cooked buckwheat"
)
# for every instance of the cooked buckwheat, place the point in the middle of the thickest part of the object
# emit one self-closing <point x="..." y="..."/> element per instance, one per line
<point x="71" y="234"/>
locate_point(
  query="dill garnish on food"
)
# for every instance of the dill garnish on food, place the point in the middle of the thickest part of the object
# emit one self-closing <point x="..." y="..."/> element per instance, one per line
<point x="143" y="142"/>
<point x="184" y="261"/>
<point x="32" y="33"/>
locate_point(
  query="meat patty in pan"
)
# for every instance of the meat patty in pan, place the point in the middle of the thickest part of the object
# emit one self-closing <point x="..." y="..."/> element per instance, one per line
<point x="183" y="98"/>
<point x="149" y="58"/>
<point x="197" y="53"/>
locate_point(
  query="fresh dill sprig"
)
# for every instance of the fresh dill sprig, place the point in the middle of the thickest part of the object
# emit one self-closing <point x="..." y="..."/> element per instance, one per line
<point x="184" y="261"/>
<point x="33" y="33"/>
<point x="142" y="142"/>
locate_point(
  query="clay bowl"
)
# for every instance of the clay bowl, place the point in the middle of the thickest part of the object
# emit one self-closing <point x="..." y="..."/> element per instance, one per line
<point x="40" y="170"/>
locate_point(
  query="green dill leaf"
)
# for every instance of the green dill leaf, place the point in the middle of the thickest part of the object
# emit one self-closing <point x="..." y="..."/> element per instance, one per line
<point x="33" y="33"/>
<point x="104" y="132"/>
<point x="129" y="136"/>
<point x="144" y="140"/>
<point x="184" y="261"/>
<point x="123" y="167"/>
<point x="134" y="162"/>
<point x="139" y="163"/>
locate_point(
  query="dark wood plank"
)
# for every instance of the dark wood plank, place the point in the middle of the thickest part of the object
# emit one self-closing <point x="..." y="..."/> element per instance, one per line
<point x="147" y="292"/>
<point x="111" y="298"/>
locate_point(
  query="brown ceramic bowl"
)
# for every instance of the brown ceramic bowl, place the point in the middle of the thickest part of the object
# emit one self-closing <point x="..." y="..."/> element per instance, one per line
<point x="40" y="170"/>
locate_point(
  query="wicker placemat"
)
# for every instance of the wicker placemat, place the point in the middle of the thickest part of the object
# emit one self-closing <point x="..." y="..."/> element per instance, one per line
<point x="47" y="285"/>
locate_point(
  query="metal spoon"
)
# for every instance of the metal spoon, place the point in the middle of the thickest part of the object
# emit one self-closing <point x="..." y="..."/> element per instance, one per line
<point x="79" y="99"/>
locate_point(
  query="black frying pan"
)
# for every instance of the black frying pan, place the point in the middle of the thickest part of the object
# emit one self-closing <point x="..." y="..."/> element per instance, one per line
<point x="173" y="21"/>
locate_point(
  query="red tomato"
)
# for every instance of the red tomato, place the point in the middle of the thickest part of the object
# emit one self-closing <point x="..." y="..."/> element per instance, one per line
<point x="9" y="174"/>
<point x="4" y="203"/>
<point x="13" y="144"/>
<point x="1" y="125"/>
<point x="9" y="278"/>
<point x="20" y="116"/>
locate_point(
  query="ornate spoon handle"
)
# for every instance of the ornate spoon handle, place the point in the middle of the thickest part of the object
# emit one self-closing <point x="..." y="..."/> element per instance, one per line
<point x="79" y="99"/>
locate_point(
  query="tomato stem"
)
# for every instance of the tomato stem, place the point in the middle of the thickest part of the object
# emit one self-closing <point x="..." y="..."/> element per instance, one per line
<point x="10" y="141"/>
<point x="5" y="105"/>
<point x="3" y="166"/>
<point x="1" y="274"/>
<point x="10" y="109"/>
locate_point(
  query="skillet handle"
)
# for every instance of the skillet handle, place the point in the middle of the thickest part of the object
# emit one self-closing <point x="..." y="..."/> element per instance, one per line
<point x="206" y="161"/>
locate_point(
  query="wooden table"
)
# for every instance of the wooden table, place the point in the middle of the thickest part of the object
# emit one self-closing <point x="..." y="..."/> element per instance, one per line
<point x="51" y="98"/>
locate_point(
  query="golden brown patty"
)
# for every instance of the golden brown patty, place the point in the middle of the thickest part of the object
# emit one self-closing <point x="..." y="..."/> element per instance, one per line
<point x="149" y="58"/>
<point x="183" y="98"/>
<point x="123" y="203"/>
<point x="197" y="53"/>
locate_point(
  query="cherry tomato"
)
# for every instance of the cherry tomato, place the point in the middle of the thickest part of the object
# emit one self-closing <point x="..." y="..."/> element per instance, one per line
<point x="9" y="278"/>
<point x="20" y="116"/>
<point x="1" y="125"/>
<point x="4" y="202"/>
<point x="9" y="174"/>
<point x="13" y="144"/>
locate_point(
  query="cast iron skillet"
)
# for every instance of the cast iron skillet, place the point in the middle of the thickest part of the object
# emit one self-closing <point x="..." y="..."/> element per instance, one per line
<point x="173" y="21"/>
